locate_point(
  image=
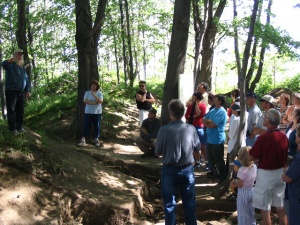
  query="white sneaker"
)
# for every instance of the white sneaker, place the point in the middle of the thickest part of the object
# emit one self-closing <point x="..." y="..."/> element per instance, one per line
<point x="97" y="143"/>
<point x="22" y="131"/>
<point x="81" y="143"/>
<point x="15" y="132"/>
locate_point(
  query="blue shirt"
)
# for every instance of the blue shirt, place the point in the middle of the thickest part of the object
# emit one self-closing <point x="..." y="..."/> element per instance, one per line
<point x="16" y="78"/>
<point x="92" y="109"/>
<point x="176" y="142"/>
<point x="216" y="135"/>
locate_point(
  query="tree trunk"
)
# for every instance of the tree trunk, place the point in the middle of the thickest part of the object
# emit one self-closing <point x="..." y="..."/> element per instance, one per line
<point x="123" y="34"/>
<point x="262" y="52"/>
<point x="2" y="94"/>
<point x="21" y="35"/>
<point x="116" y="52"/>
<point x="208" y="43"/>
<point x="177" y="54"/>
<point x="131" y="73"/>
<point x="87" y="38"/>
<point x="242" y="78"/>
<point x="34" y="75"/>
<point x="199" y="28"/>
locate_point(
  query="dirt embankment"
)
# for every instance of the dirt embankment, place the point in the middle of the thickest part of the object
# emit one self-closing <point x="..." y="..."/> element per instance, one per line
<point x="60" y="183"/>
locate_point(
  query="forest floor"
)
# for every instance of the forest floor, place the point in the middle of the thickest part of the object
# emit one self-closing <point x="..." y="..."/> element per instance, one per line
<point x="57" y="182"/>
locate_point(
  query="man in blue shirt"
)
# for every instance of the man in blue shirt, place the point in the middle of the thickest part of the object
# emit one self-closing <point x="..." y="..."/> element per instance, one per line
<point x="17" y="87"/>
<point x="215" y="123"/>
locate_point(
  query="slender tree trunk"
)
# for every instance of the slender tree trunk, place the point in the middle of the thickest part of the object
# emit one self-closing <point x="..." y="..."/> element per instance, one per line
<point x="34" y="75"/>
<point x="253" y="64"/>
<point x="2" y="94"/>
<point x="87" y="38"/>
<point x="131" y="73"/>
<point x="208" y="43"/>
<point x="262" y="52"/>
<point x="177" y="53"/>
<point x="123" y="35"/>
<point x="236" y="44"/>
<point x="21" y="35"/>
<point x="199" y="28"/>
<point x="116" y="52"/>
<point x="242" y="77"/>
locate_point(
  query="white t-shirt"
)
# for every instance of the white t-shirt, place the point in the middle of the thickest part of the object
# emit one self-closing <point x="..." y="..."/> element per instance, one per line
<point x="233" y="131"/>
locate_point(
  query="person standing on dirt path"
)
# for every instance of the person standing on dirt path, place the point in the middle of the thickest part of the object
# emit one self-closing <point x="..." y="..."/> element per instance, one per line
<point x="215" y="123"/>
<point x="93" y="111"/>
<point x="148" y="134"/>
<point x="271" y="151"/>
<point x="176" y="142"/>
<point x="17" y="89"/>
<point x="144" y="101"/>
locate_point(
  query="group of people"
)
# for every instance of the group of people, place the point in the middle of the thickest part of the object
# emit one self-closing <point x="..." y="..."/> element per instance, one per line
<point x="263" y="179"/>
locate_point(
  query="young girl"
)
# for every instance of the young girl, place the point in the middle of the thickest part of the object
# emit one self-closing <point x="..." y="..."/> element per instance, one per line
<point x="245" y="181"/>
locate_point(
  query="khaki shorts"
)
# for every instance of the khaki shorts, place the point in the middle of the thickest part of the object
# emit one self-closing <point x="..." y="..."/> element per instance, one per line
<point x="269" y="189"/>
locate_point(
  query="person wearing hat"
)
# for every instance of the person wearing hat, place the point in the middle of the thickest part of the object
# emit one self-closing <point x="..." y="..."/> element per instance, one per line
<point x="271" y="151"/>
<point x="148" y="134"/>
<point x="253" y="117"/>
<point x="234" y="127"/>
<point x="93" y="112"/>
<point x="266" y="103"/>
<point x="17" y="89"/>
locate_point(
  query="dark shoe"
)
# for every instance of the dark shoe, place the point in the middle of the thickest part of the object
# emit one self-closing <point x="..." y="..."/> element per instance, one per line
<point x="197" y="165"/>
<point x="147" y="154"/>
<point x="232" y="197"/>
<point x="207" y="169"/>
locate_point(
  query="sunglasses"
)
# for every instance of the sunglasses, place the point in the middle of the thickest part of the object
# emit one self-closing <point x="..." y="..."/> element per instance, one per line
<point x="142" y="85"/>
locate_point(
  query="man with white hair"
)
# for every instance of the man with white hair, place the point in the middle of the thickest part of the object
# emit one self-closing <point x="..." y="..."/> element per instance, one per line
<point x="17" y="87"/>
<point x="266" y="103"/>
<point x="270" y="150"/>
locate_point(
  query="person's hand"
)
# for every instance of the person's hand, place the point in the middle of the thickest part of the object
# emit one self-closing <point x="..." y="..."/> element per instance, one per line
<point x="144" y="130"/>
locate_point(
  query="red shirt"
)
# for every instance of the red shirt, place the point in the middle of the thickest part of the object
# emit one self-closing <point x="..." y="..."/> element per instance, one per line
<point x="271" y="149"/>
<point x="197" y="122"/>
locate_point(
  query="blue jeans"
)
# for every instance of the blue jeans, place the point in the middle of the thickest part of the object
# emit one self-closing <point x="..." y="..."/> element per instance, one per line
<point x="249" y="141"/>
<point x="182" y="179"/>
<point x="94" y="119"/>
<point x="201" y="135"/>
<point x="15" y="102"/>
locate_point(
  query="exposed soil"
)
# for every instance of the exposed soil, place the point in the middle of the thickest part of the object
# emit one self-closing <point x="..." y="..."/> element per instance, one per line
<point x="60" y="183"/>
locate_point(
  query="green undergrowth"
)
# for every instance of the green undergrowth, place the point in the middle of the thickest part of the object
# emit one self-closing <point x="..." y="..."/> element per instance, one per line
<point x="9" y="142"/>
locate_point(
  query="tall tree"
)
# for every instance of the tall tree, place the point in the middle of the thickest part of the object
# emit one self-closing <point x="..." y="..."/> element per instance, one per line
<point x="177" y="53"/>
<point x="87" y="38"/>
<point x="242" y="78"/>
<point x="123" y="36"/>
<point x="2" y="95"/>
<point x="129" y="44"/>
<point x="206" y="29"/>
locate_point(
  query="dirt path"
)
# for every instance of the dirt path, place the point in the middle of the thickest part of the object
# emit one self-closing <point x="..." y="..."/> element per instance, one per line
<point x="60" y="183"/>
